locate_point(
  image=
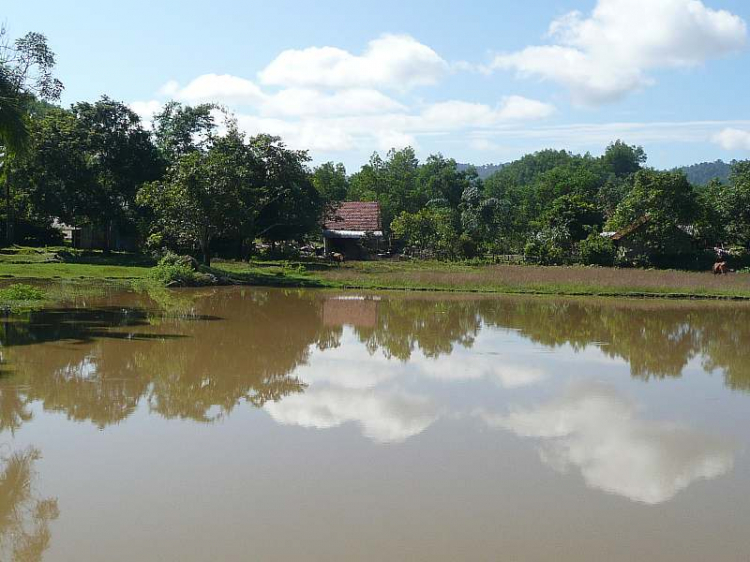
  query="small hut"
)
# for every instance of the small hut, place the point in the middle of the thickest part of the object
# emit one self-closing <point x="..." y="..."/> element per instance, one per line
<point x="354" y="230"/>
<point x="631" y="240"/>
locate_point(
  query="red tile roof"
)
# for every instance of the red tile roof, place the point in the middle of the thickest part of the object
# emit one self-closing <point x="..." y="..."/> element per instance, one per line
<point x="357" y="216"/>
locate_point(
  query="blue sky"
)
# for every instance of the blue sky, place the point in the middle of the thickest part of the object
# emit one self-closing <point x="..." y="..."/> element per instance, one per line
<point x="485" y="82"/>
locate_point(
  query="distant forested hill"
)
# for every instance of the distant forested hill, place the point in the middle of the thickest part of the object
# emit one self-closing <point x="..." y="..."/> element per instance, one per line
<point x="697" y="174"/>
<point x="484" y="171"/>
<point x="701" y="174"/>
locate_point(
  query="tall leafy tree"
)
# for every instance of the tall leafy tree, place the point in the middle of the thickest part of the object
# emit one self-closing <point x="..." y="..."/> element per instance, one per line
<point x="731" y="202"/>
<point x="86" y="164"/>
<point x="668" y="203"/>
<point x="622" y="159"/>
<point x="289" y="207"/>
<point x="205" y="195"/>
<point x="331" y="182"/>
<point x="181" y="129"/>
<point x="26" y="72"/>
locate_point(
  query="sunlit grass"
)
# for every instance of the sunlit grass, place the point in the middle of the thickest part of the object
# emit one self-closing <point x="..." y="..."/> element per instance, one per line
<point x="414" y="275"/>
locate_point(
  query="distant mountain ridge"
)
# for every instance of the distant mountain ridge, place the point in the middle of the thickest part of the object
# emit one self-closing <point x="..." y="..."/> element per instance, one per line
<point x="701" y="174"/>
<point x="484" y="171"/>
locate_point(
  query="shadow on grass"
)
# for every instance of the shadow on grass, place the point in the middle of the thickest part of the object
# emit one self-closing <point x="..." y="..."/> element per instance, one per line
<point x="123" y="259"/>
<point x="273" y="277"/>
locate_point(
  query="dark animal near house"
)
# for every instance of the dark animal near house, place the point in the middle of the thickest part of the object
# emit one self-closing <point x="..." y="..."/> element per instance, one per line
<point x="338" y="258"/>
<point x="720" y="268"/>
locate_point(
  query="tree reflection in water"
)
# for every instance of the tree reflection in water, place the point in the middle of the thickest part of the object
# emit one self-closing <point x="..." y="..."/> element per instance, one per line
<point x="24" y="518"/>
<point x="233" y="346"/>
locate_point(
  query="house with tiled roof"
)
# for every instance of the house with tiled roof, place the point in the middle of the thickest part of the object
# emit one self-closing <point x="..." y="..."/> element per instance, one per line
<point x="351" y="228"/>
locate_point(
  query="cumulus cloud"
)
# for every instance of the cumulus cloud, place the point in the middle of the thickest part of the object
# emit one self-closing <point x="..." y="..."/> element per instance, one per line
<point x="607" y="55"/>
<point x="454" y="113"/>
<point x="392" y="61"/>
<point x="299" y="102"/>
<point x="146" y="110"/>
<point x="313" y="134"/>
<point x="595" y="429"/>
<point x="219" y="88"/>
<point x="733" y="139"/>
<point x="385" y="417"/>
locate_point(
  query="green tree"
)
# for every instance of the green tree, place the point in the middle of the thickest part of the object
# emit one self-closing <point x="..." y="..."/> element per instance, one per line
<point x="86" y="165"/>
<point x="622" y="159"/>
<point x="732" y="201"/>
<point x="206" y="194"/>
<point x="488" y="222"/>
<point x="391" y="182"/>
<point x="180" y="129"/>
<point x="120" y="155"/>
<point x="575" y="215"/>
<point x="331" y="182"/>
<point x="26" y="72"/>
<point x="427" y="232"/>
<point x="289" y="207"/>
<point x="667" y="201"/>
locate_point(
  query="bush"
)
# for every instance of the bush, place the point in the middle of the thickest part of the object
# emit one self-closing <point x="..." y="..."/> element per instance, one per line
<point x="21" y="293"/>
<point x="597" y="250"/>
<point x="544" y="252"/>
<point x="180" y="271"/>
<point x="467" y="247"/>
<point x="172" y="259"/>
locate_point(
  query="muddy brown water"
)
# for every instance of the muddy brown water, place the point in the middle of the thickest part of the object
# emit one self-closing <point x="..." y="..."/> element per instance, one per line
<point x="261" y="424"/>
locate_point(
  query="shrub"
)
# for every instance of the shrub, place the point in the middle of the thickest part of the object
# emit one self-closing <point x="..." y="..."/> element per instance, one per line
<point x="22" y="293"/>
<point x="544" y="252"/>
<point x="180" y="271"/>
<point x="597" y="250"/>
<point x="172" y="259"/>
<point x="467" y="246"/>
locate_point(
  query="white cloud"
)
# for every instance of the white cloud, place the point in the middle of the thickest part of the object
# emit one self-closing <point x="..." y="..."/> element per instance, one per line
<point x="385" y="417"/>
<point x="519" y="108"/>
<point x="387" y="139"/>
<point x="169" y="89"/>
<point x="608" y="55"/>
<point x="392" y="61"/>
<point x="219" y="88"/>
<point x="461" y="114"/>
<point x="308" y="102"/>
<point x="733" y="139"/>
<point x="593" y="428"/>
<point x="314" y="134"/>
<point x="146" y="110"/>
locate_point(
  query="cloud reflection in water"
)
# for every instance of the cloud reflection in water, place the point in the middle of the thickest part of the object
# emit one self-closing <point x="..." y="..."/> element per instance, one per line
<point x="594" y="428"/>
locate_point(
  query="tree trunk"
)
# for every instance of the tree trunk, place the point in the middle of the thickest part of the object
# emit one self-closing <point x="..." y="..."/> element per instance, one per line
<point x="206" y="250"/>
<point x="108" y="238"/>
<point x="9" y="218"/>
<point x="240" y="255"/>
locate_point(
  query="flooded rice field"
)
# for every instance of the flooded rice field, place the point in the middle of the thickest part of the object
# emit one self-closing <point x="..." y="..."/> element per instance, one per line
<point x="262" y="424"/>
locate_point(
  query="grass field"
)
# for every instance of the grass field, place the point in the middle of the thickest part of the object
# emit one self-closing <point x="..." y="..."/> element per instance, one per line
<point x="21" y="264"/>
<point x="438" y="276"/>
<point x="64" y="263"/>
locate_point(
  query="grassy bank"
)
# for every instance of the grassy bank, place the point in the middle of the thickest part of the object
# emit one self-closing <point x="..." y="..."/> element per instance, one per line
<point x="24" y="265"/>
<point x="509" y="279"/>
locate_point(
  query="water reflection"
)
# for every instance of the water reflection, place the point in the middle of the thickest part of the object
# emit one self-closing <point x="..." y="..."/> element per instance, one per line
<point x="98" y="364"/>
<point x="597" y="430"/>
<point x="412" y="370"/>
<point x="385" y="417"/>
<point x="24" y="518"/>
